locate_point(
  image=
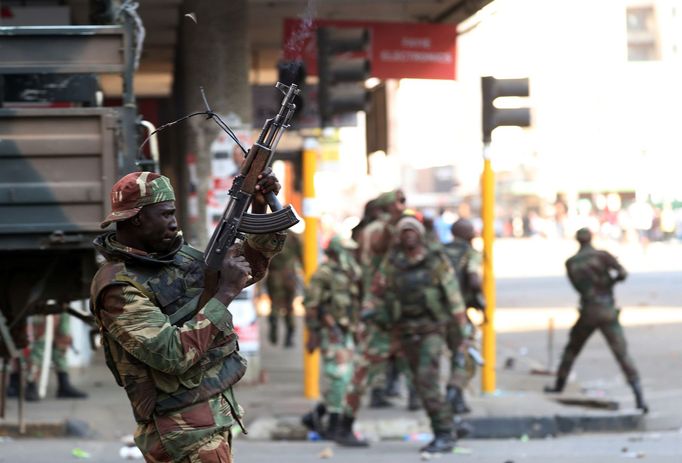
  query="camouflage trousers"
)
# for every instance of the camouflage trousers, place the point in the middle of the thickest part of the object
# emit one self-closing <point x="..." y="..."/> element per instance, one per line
<point x="337" y="364"/>
<point x="218" y="449"/>
<point x="376" y="346"/>
<point x="282" y="305"/>
<point x="606" y="321"/>
<point x="422" y="347"/>
<point x="462" y="364"/>
<point x="60" y="344"/>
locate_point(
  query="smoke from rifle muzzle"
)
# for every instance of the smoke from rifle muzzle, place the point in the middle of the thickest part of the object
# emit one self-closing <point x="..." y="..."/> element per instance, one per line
<point x="301" y="36"/>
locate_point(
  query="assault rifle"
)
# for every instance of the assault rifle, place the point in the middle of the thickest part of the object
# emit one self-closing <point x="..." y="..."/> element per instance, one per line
<point x="235" y="221"/>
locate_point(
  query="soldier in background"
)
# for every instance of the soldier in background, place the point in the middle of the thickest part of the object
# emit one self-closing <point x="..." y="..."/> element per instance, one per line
<point x="332" y="304"/>
<point x="418" y="286"/>
<point x="593" y="273"/>
<point x="375" y="241"/>
<point x="282" y="283"/>
<point x="467" y="264"/>
<point x="60" y="344"/>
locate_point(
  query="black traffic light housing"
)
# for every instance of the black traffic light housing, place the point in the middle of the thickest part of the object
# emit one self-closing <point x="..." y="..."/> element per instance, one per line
<point x="341" y="71"/>
<point x="292" y="72"/>
<point x="493" y="117"/>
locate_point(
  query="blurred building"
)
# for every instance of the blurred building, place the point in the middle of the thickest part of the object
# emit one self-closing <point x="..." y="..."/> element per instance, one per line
<point x="604" y="84"/>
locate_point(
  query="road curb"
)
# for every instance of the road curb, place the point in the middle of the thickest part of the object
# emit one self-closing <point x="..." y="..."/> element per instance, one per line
<point x="530" y="427"/>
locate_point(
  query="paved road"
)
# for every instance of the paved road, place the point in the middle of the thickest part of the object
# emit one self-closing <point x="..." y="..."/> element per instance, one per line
<point x="530" y="273"/>
<point x="604" y="448"/>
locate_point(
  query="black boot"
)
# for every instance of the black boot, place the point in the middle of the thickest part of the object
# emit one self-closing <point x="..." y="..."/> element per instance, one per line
<point x="455" y="397"/>
<point x="392" y="380"/>
<point x="414" y="402"/>
<point x="272" y="333"/>
<point x="13" y="385"/>
<point x="313" y="420"/>
<point x="31" y="392"/>
<point x="378" y="399"/>
<point x="65" y="390"/>
<point x="289" y="325"/>
<point x="289" y="339"/>
<point x="443" y="442"/>
<point x="639" y="396"/>
<point x="333" y="426"/>
<point x="345" y="436"/>
<point x="558" y="385"/>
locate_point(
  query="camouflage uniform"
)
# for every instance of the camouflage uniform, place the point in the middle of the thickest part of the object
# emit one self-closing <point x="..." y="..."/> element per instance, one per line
<point x="177" y="362"/>
<point x="60" y="344"/>
<point x="375" y="346"/>
<point x="282" y="282"/>
<point x="333" y="296"/>
<point x="422" y="295"/>
<point x="465" y="260"/>
<point x="590" y="273"/>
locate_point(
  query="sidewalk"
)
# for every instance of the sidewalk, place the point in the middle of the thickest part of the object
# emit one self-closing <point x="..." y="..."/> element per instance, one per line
<point x="275" y="404"/>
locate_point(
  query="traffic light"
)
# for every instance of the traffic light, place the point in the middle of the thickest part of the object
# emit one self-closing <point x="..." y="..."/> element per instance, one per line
<point x="292" y="72"/>
<point x="342" y="72"/>
<point x="493" y="117"/>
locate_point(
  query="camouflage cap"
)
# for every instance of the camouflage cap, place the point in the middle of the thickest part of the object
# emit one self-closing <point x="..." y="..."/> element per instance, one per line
<point x="134" y="191"/>
<point x="385" y="199"/>
<point x="411" y="223"/>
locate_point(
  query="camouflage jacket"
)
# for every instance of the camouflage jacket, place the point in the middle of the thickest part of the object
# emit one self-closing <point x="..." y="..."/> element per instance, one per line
<point x="178" y="378"/>
<point x="466" y="261"/>
<point x="334" y="290"/>
<point x="419" y="290"/>
<point x="593" y="273"/>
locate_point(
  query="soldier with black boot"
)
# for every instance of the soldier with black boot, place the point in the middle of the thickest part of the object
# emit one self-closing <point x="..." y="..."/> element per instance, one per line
<point x="593" y="273"/>
<point x="60" y="344"/>
<point x="467" y="264"/>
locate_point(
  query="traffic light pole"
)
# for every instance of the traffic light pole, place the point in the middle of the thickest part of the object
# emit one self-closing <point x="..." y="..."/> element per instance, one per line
<point x="488" y="216"/>
<point x="311" y="361"/>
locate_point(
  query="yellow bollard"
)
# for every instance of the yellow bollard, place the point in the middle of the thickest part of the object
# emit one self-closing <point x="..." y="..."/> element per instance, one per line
<point x="488" y="216"/>
<point x="311" y="362"/>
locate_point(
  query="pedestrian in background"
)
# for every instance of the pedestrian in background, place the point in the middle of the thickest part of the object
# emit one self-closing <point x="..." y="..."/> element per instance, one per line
<point x="282" y="282"/>
<point x="332" y="305"/>
<point x="594" y="273"/>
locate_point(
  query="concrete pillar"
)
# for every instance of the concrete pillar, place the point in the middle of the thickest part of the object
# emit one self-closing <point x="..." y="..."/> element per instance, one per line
<point x="214" y="54"/>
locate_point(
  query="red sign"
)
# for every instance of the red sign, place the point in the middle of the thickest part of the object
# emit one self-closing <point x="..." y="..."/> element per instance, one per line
<point x="396" y="50"/>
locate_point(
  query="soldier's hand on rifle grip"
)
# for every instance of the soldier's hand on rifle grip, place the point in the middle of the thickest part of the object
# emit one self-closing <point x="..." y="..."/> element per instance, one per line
<point x="234" y="274"/>
<point x="267" y="182"/>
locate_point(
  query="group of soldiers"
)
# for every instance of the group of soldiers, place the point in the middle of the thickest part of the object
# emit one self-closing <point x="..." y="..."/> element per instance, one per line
<point x="394" y="295"/>
<point x="394" y="292"/>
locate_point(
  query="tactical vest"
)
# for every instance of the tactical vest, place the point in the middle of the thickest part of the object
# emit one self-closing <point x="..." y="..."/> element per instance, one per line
<point x="418" y="293"/>
<point x="169" y="287"/>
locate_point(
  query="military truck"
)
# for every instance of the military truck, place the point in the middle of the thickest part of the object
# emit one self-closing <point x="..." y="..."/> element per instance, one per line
<point x="60" y="153"/>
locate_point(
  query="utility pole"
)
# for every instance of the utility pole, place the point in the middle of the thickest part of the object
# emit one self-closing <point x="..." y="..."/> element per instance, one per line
<point x="492" y="117"/>
<point x="311" y="361"/>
